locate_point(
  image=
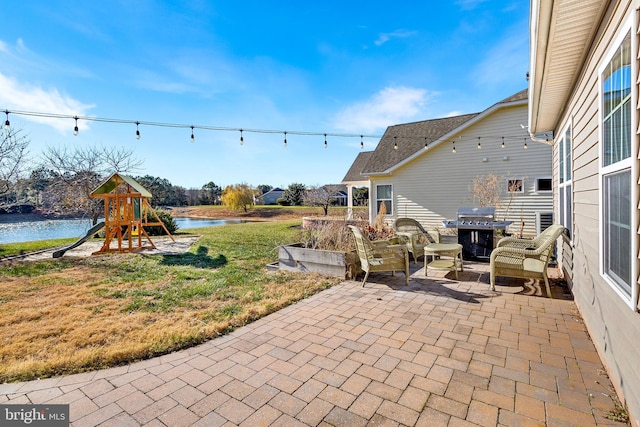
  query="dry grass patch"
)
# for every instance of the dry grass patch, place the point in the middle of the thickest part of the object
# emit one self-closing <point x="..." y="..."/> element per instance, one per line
<point x="67" y="316"/>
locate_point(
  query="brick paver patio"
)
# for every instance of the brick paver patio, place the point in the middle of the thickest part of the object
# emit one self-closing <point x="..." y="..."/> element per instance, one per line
<point x="438" y="352"/>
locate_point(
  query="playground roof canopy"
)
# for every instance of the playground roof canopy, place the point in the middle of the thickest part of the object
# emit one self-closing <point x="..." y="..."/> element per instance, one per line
<point x="116" y="179"/>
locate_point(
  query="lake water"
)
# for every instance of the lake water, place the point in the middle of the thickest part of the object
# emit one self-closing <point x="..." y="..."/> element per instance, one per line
<point x="26" y="231"/>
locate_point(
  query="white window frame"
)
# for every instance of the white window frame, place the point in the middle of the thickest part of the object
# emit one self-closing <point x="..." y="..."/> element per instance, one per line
<point x="521" y="185"/>
<point x="538" y="181"/>
<point x="390" y="212"/>
<point x="625" y="164"/>
<point x="565" y="179"/>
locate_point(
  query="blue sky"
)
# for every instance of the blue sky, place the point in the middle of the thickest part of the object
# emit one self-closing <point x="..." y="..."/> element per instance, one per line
<point x="314" y="67"/>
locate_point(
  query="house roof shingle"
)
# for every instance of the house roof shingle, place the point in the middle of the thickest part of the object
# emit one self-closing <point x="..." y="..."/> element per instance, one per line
<point x="410" y="138"/>
<point x="355" y="171"/>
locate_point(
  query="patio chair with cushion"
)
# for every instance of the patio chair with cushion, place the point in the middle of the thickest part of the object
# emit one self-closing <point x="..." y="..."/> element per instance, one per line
<point x="380" y="255"/>
<point x="525" y="258"/>
<point x="414" y="236"/>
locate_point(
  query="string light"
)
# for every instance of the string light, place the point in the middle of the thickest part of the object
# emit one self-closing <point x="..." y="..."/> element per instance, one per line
<point x="7" y="125"/>
<point x="395" y="143"/>
<point x="426" y="144"/>
<point x="285" y="139"/>
<point x="361" y="143"/>
<point x="241" y="138"/>
<point x="525" y="144"/>
<point x="75" y="129"/>
<point x="502" y="142"/>
<point x="325" y="140"/>
<point x="193" y="137"/>
<point x="479" y="146"/>
<point x="137" y="130"/>
<point x="454" y="147"/>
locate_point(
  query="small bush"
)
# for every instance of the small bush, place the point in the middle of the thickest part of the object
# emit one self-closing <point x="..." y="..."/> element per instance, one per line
<point x="167" y="220"/>
<point x="282" y="201"/>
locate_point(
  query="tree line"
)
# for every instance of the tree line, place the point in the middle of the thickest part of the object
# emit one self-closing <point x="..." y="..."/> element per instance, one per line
<point x="62" y="178"/>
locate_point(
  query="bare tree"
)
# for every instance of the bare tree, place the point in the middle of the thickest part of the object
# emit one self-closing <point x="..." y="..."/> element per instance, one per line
<point x="78" y="171"/>
<point x="321" y="196"/>
<point x="13" y="152"/>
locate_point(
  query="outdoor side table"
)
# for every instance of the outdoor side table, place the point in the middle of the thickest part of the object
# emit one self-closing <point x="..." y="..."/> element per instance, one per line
<point x="437" y="252"/>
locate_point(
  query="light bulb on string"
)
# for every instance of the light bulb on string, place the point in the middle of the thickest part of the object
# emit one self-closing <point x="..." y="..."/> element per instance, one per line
<point x="241" y="138"/>
<point x="426" y="144"/>
<point x="361" y="143"/>
<point x="325" y="140"/>
<point x="137" y="130"/>
<point x="502" y="142"/>
<point x="395" y="143"/>
<point x="193" y="137"/>
<point x="454" y="147"/>
<point x="7" y="124"/>
<point x="285" y="139"/>
<point x="525" y="144"/>
<point x="479" y="146"/>
<point x="75" y="129"/>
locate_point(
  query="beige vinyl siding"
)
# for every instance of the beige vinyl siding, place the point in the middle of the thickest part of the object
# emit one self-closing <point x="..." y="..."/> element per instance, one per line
<point x="433" y="186"/>
<point x="613" y="326"/>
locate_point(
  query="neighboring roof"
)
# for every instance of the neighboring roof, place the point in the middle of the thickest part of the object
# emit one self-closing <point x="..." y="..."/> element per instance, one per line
<point x="561" y="32"/>
<point x="111" y="183"/>
<point x="355" y="171"/>
<point x="410" y="138"/>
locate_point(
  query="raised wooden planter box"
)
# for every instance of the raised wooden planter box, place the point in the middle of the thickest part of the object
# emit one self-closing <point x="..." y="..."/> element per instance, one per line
<point x="296" y="258"/>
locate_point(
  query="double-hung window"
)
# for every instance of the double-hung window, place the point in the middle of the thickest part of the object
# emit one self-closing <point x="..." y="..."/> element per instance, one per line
<point x="615" y="168"/>
<point x="564" y="186"/>
<point x="384" y="196"/>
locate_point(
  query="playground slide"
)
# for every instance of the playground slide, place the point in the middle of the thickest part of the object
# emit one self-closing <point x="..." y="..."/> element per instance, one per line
<point x="93" y="230"/>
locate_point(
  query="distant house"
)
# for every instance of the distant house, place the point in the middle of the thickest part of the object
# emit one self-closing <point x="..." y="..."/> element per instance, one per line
<point x="584" y="88"/>
<point x="270" y="197"/>
<point x="416" y="171"/>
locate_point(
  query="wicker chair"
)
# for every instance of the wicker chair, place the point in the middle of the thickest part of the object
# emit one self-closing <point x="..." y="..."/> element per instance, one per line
<point x="525" y="258"/>
<point x="411" y="233"/>
<point x="380" y="255"/>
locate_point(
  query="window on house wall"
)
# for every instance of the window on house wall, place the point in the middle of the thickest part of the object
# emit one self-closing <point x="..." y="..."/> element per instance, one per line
<point x="544" y="185"/>
<point x="515" y="185"/>
<point x="564" y="187"/>
<point x="384" y="195"/>
<point x="543" y="221"/>
<point x="615" y="168"/>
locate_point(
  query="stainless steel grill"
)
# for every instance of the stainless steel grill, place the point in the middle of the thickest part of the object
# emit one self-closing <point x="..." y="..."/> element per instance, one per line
<point x="476" y="229"/>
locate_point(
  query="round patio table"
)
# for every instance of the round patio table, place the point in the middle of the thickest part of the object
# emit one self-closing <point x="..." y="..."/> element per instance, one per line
<point x="452" y="252"/>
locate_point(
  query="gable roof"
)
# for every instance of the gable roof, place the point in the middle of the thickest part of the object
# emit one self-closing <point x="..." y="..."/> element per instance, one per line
<point x="411" y="137"/>
<point x="111" y="183"/>
<point x="354" y="174"/>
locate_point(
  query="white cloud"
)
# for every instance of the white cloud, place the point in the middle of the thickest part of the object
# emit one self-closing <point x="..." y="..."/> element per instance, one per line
<point x="24" y="97"/>
<point x="392" y="105"/>
<point x="398" y="34"/>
